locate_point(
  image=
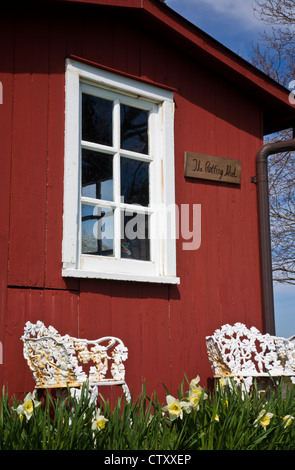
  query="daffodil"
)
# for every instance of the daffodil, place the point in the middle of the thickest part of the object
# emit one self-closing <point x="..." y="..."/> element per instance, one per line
<point x="99" y="422"/>
<point x="223" y="382"/>
<point x="194" y="401"/>
<point x="194" y="396"/>
<point x="263" y="419"/>
<point x="27" y="408"/>
<point x="175" y="407"/>
<point x="194" y="382"/>
<point x="288" y="420"/>
<point x="195" y="393"/>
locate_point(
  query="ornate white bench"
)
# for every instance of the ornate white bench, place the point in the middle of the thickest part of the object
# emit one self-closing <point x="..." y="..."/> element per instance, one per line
<point x="242" y="353"/>
<point x="55" y="360"/>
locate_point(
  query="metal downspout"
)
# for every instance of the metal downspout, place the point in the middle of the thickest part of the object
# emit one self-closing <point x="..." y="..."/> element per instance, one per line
<point x="264" y="228"/>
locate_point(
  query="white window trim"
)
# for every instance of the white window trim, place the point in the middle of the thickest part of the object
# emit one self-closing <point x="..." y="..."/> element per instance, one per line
<point x="163" y="267"/>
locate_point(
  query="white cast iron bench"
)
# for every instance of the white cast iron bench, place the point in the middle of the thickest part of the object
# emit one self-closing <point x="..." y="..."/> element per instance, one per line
<point x="244" y="354"/>
<point x="55" y="360"/>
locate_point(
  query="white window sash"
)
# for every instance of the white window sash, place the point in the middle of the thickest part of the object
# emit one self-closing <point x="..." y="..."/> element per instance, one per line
<point x="162" y="267"/>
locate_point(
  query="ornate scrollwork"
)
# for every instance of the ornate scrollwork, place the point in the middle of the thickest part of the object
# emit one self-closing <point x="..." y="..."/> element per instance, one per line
<point x="55" y="360"/>
<point x="235" y="350"/>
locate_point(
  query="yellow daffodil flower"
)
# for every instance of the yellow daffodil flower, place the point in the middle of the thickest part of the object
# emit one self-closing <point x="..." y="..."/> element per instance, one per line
<point x="194" y="400"/>
<point x="175" y="407"/>
<point x="99" y="422"/>
<point x="222" y="382"/>
<point x="195" y="392"/>
<point x="194" y="382"/>
<point x="288" y="420"/>
<point x="27" y="408"/>
<point x="263" y="419"/>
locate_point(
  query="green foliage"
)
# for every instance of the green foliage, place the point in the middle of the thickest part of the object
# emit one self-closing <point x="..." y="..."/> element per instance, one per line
<point x="220" y="419"/>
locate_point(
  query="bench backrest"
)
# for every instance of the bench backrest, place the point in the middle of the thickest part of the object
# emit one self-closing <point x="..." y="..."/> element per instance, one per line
<point x="56" y="361"/>
<point x="235" y="350"/>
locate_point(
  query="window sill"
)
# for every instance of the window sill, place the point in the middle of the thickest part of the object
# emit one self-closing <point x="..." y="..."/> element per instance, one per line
<point x="78" y="273"/>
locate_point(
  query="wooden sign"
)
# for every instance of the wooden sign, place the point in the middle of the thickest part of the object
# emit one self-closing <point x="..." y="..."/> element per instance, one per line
<point x="226" y="170"/>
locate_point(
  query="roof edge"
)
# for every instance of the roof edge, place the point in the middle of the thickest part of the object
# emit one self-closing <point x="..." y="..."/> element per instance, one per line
<point x="197" y="43"/>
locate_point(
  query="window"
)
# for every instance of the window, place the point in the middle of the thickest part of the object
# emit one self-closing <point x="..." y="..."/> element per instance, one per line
<point x="119" y="178"/>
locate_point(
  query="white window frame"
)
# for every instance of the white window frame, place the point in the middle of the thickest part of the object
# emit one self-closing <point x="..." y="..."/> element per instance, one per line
<point x="162" y="267"/>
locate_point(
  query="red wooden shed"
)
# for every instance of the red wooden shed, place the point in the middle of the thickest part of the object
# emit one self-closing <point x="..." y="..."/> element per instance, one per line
<point x="101" y="103"/>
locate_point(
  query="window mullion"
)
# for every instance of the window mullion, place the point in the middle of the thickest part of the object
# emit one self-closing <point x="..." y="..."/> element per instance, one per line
<point x="117" y="184"/>
<point x="155" y="184"/>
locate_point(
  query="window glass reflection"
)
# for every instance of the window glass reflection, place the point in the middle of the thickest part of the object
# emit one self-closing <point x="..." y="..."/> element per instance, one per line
<point x="134" y="129"/>
<point x="97" y="175"/>
<point x="135" y="243"/>
<point x="97" y="119"/>
<point x="97" y="230"/>
<point x="135" y="181"/>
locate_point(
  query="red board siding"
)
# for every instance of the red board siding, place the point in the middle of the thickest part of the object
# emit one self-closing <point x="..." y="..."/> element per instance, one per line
<point x="29" y="157"/>
<point x="6" y="54"/>
<point x="163" y="326"/>
<point x="23" y="305"/>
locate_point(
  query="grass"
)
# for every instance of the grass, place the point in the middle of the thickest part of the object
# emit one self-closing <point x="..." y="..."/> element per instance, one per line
<point x="195" y="419"/>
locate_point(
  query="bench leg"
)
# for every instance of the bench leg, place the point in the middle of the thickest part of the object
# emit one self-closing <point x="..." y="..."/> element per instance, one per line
<point x="93" y="393"/>
<point x="126" y="392"/>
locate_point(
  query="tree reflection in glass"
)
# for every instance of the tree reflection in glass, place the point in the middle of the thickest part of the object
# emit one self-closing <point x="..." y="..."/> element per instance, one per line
<point x="97" y="175"/>
<point x="97" y="120"/>
<point x="135" y="243"/>
<point x="134" y="181"/>
<point x="134" y="129"/>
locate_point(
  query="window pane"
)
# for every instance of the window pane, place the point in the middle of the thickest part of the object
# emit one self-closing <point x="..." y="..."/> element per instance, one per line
<point x="134" y="129"/>
<point x="135" y="181"/>
<point x="97" y="119"/>
<point x="97" y="175"/>
<point x="97" y="231"/>
<point x="135" y="243"/>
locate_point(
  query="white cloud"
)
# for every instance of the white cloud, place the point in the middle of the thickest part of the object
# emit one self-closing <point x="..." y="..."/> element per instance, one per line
<point x="231" y="22"/>
<point x="240" y="11"/>
<point x="236" y="9"/>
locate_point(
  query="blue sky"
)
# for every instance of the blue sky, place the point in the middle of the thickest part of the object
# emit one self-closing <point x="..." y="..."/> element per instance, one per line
<point x="234" y="24"/>
<point x="231" y="22"/>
